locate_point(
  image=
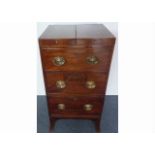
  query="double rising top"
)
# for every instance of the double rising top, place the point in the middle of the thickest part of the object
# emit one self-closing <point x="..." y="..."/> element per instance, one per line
<point x="83" y="31"/>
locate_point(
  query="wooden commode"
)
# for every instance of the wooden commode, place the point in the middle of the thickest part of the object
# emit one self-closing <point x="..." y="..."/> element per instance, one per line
<point x="76" y="61"/>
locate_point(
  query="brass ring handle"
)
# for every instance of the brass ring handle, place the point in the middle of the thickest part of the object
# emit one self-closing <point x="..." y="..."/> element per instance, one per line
<point x="90" y="84"/>
<point x="60" y="84"/>
<point x="58" y="61"/>
<point x="88" y="107"/>
<point x="61" y="106"/>
<point x="92" y="60"/>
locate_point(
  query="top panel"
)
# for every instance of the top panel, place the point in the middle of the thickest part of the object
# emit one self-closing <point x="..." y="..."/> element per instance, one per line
<point x="83" y="31"/>
<point x="59" y="32"/>
<point x="93" y="31"/>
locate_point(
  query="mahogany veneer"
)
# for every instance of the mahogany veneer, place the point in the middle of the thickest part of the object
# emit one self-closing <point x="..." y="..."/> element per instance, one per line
<point x="76" y="61"/>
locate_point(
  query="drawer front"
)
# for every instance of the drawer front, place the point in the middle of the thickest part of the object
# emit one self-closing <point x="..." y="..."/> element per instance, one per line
<point x="77" y="59"/>
<point x="75" y="105"/>
<point x="76" y="82"/>
<point x="48" y="43"/>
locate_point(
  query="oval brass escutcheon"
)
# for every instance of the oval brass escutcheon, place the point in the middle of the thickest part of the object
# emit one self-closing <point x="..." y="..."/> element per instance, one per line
<point x="92" y="60"/>
<point x="58" y="61"/>
<point x="88" y="107"/>
<point x="61" y="106"/>
<point x="60" y="84"/>
<point x="90" y="84"/>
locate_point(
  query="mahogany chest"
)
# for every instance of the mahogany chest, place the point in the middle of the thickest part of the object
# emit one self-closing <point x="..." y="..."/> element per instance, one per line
<point x="76" y="61"/>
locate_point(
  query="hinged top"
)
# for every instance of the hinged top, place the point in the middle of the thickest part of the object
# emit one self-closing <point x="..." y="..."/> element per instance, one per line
<point x="83" y="31"/>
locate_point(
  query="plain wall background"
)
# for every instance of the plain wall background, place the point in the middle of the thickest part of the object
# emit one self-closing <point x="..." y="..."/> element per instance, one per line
<point x="112" y="87"/>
